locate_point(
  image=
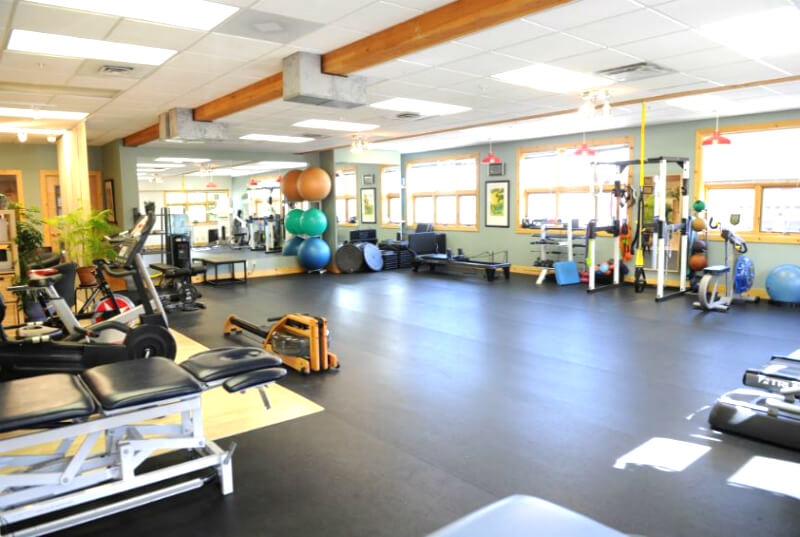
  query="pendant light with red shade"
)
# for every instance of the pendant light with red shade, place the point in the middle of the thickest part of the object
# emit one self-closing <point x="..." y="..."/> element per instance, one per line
<point x="717" y="138"/>
<point x="584" y="150"/>
<point x="491" y="158"/>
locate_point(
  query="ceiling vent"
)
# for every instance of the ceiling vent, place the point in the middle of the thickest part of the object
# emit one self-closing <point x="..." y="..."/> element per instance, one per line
<point x="115" y="70"/>
<point x="408" y="115"/>
<point x="634" y="71"/>
<point x="313" y="135"/>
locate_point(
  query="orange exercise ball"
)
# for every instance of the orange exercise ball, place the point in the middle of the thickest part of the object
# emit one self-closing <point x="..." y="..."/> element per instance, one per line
<point x="314" y="184"/>
<point x="289" y="186"/>
<point x="698" y="224"/>
<point x="698" y="262"/>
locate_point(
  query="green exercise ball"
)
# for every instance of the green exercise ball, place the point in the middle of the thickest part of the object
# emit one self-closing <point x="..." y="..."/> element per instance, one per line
<point x="293" y="221"/>
<point x="313" y="223"/>
<point x="699" y="206"/>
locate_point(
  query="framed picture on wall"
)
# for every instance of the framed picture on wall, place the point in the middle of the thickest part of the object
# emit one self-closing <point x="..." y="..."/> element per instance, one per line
<point x="368" y="179"/>
<point x="497" y="214"/>
<point x="368" y="213"/>
<point x="108" y="200"/>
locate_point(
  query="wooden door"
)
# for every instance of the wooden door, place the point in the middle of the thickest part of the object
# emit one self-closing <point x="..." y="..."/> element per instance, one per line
<point x="51" y="199"/>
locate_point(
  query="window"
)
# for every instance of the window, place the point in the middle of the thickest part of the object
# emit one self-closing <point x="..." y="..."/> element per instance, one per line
<point x="757" y="178"/>
<point x="202" y="206"/>
<point x="556" y="184"/>
<point x="346" y="190"/>
<point x="443" y="192"/>
<point x="266" y="198"/>
<point x="391" y="205"/>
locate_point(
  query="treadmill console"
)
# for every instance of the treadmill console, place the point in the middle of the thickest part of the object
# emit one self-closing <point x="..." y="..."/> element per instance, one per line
<point x="130" y="244"/>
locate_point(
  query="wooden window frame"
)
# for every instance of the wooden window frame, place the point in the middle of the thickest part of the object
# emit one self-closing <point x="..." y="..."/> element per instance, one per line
<point x="349" y="197"/>
<point x="186" y="204"/>
<point x="385" y="223"/>
<point x="411" y="197"/>
<point x="20" y="184"/>
<point x="701" y="188"/>
<point x="522" y="195"/>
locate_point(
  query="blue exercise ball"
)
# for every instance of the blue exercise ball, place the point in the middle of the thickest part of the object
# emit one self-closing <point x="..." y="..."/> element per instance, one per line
<point x="314" y="254"/>
<point x="290" y="247"/>
<point x="783" y="284"/>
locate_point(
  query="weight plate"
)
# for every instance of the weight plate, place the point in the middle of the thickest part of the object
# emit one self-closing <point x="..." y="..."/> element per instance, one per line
<point x="147" y="341"/>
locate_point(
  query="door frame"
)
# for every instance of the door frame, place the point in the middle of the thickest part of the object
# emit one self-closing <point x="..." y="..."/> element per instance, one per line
<point x="20" y="184"/>
<point x="43" y="174"/>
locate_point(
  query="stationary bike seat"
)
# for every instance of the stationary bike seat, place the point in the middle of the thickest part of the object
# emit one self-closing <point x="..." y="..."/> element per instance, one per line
<point x="717" y="269"/>
<point x="38" y="280"/>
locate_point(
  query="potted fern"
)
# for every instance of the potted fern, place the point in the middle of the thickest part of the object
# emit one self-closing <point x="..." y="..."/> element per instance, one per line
<point x="83" y="236"/>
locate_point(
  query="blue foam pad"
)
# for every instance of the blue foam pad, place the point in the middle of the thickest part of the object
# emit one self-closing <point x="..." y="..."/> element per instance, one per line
<point x="566" y="273"/>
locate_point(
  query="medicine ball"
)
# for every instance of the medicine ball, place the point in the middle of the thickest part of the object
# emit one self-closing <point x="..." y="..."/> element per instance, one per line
<point x="698" y="262"/>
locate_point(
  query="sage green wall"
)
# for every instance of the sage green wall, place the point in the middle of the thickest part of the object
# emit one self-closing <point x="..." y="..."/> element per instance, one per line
<point x="31" y="159"/>
<point x="675" y="139"/>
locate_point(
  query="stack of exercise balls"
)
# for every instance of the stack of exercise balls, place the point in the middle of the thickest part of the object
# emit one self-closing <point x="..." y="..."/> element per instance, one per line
<point x="698" y="259"/>
<point x="307" y="227"/>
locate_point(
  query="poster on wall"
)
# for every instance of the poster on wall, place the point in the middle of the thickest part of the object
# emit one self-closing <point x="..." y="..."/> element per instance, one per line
<point x="108" y="200"/>
<point x="368" y="215"/>
<point x="497" y="204"/>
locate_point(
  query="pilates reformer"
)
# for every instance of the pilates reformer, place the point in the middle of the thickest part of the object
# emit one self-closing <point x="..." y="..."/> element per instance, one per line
<point x="72" y="440"/>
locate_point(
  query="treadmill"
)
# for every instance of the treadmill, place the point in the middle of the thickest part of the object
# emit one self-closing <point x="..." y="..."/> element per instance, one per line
<point x="767" y="410"/>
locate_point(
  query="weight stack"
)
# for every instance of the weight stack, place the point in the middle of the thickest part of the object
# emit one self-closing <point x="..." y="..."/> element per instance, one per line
<point x="391" y="260"/>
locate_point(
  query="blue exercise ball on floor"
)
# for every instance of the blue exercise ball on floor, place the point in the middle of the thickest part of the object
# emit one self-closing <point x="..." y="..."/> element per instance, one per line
<point x="314" y="254"/>
<point x="783" y="284"/>
<point x="291" y="246"/>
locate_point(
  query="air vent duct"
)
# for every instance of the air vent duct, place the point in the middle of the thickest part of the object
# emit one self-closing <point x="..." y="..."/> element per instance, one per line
<point x="304" y="82"/>
<point x="634" y="71"/>
<point x="408" y="115"/>
<point x="115" y="70"/>
<point x="178" y="125"/>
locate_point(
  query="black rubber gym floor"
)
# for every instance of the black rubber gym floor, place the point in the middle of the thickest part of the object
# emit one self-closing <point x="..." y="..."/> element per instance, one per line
<point x="455" y="392"/>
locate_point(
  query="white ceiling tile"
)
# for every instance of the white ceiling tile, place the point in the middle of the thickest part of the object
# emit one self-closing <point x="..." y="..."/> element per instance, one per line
<point x="488" y="87"/>
<point x="662" y="82"/>
<point x="424" y="5"/>
<point x="37" y="63"/>
<point x="31" y="76"/>
<point x="228" y="46"/>
<point x="487" y="64"/>
<point x="696" y="13"/>
<point x="5" y="11"/>
<point x="23" y="99"/>
<point x="396" y="88"/>
<point x="54" y="20"/>
<point x="117" y="83"/>
<point x="633" y="26"/>
<point x="392" y="69"/>
<point x="376" y="17"/>
<point x="735" y="73"/>
<point x="598" y="60"/>
<point x="328" y="38"/>
<point x="668" y="45"/>
<point x="267" y="65"/>
<point x="787" y="63"/>
<point x="323" y="11"/>
<point x="154" y="35"/>
<point x="787" y="88"/>
<point x="437" y="77"/>
<point x="583" y="12"/>
<point x="704" y="58"/>
<point x="548" y="48"/>
<point x="83" y="104"/>
<point x="441" y="54"/>
<point x="744" y="94"/>
<point x="504" y="35"/>
<point x="201" y="63"/>
<point x="237" y="3"/>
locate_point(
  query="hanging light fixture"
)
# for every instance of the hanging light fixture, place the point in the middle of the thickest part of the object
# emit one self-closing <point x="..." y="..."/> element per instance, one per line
<point x="252" y="182"/>
<point x="359" y="144"/>
<point x="491" y="158"/>
<point x="584" y="150"/>
<point x="717" y="138"/>
<point x="51" y="139"/>
<point x="211" y="184"/>
<point x="592" y="100"/>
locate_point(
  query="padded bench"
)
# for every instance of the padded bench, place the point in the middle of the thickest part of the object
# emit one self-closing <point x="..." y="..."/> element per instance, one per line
<point x="121" y="403"/>
<point x="779" y="373"/>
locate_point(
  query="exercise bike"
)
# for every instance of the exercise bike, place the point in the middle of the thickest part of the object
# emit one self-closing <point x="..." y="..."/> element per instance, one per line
<point x="86" y="347"/>
<point x="736" y="274"/>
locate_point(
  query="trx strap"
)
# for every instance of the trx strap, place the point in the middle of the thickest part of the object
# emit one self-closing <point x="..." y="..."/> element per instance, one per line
<point x="640" y="278"/>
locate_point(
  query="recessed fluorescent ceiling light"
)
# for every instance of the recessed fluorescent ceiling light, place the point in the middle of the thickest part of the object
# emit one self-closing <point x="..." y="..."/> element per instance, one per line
<point x="758" y="35"/>
<point x="180" y="160"/>
<point x="423" y="108"/>
<point x="277" y="138"/>
<point x="329" y="125"/>
<point x="16" y="130"/>
<point x="79" y="47"/>
<point x="545" y="77"/>
<point x="701" y="103"/>
<point x="40" y="114"/>
<point x="197" y="14"/>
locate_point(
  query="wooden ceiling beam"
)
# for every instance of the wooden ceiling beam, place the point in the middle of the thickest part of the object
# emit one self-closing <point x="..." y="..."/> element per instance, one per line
<point x="435" y="27"/>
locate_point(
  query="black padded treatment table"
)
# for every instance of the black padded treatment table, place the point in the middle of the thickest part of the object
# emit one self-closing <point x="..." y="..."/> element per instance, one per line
<point x="425" y="249"/>
<point x="51" y="423"/>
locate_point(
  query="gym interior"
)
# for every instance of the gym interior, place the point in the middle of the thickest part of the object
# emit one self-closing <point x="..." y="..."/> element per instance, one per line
<point x="399" y="268"/>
